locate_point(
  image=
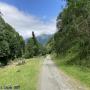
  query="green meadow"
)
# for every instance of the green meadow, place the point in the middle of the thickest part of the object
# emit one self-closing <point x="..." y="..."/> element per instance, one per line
<point x="23" y="77"/>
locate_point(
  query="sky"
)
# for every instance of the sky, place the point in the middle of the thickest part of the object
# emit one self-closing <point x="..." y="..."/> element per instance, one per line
<point x="32" y="15"/>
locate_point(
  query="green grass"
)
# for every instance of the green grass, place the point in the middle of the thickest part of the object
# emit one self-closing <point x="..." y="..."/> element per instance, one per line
<point x="24" y="75"/>
<point x="81" y="74"/>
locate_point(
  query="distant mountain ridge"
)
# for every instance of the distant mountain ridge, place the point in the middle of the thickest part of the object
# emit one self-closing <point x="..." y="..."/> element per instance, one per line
<point x="43" y="39"/>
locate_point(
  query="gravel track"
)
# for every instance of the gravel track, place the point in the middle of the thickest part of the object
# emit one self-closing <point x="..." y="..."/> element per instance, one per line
<point x="53" y="79"/>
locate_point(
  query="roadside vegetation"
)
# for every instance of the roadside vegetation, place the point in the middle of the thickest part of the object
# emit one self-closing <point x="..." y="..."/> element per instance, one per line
<point x="71" y="43"/>
<point x="23" y="75"/>
<point x="11" y="43"/>
<point x="80" y="73"/>
<point x="73" y="34"/>
<point x="19" y="61"/>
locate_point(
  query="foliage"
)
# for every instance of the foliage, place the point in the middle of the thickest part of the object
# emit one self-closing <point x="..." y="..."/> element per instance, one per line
<point x="73" y="26"/>
<point x="79" y="73"/>
<point x="11" y="43"/>
<point x="50" y="45"/>
<point x="34" y="48"/>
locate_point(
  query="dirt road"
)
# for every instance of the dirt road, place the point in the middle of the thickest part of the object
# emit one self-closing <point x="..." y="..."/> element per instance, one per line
<point x="53" y="79"/>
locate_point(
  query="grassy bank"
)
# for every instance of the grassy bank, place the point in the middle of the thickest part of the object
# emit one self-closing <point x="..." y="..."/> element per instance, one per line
<point x="78" y="72"/>
<point x="24" y="76"/>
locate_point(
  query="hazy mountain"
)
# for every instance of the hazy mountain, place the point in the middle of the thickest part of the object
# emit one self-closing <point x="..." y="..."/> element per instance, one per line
<point x="43" y="39"/>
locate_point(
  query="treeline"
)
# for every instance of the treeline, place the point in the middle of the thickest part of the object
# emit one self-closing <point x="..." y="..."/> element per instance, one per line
<point x="73" y="35"/>
<point x="34" y="48"/>
<point x="11" y="43"/>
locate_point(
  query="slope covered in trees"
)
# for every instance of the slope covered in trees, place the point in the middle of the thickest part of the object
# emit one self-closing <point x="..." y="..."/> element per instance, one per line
<point x="73" y="36"/>
<point x="11" y="43"/>
<point x="43" y="38"/>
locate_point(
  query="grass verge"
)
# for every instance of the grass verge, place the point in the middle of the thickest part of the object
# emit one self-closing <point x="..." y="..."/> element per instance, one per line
<point x="24" y="77"/>
<point x="79" y="73"/>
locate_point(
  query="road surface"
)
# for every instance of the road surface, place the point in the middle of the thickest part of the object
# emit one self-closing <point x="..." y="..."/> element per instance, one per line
<point x="53" y="79"/>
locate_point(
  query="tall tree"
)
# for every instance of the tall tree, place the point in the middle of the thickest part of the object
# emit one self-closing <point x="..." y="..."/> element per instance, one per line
<point x="33" y="47"/>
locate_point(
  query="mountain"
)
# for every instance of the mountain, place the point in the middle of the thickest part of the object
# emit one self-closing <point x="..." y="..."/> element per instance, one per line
<point x="43" y="39"/>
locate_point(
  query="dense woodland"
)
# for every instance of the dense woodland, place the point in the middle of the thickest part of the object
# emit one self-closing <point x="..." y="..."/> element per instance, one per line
<point x="13" y="46"/>
<point x="11" y="43"/>
<point x="73" y="35"/>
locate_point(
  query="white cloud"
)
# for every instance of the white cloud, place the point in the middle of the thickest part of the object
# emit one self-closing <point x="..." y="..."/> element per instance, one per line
<point x="25" y="23"/>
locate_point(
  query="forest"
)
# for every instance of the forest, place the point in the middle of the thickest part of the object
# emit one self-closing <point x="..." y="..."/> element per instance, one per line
<point x="73" y="35"/>
<point x="12" y="45"/>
